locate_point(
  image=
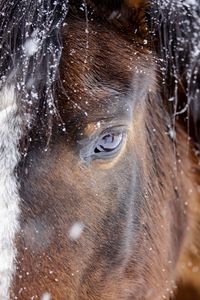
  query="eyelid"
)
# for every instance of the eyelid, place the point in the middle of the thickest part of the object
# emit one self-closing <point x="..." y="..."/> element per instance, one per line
<point x="100" y="131"/>
<point x="100" y="126"/>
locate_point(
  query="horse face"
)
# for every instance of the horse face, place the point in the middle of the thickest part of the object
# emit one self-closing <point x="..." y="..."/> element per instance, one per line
<point x="100" y="206"/>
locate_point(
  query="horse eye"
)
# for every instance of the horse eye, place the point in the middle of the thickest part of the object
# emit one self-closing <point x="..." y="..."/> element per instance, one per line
<point x="109" y="143"/>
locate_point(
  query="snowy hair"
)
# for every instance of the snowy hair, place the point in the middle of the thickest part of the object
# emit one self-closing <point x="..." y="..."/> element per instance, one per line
<point x="176" y="23"/>
<point x="31" y="49"/>
<point x="30" y="53"/>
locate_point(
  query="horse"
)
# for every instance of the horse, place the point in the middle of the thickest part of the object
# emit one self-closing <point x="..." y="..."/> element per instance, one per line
<point x="99" y="150"/>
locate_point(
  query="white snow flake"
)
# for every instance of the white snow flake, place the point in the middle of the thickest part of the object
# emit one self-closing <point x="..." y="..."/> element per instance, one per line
<point x="46" y="296"/>
<point x="76" y="231"/>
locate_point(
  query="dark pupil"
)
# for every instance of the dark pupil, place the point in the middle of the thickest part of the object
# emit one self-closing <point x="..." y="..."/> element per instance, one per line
<point x="108" y="142"/>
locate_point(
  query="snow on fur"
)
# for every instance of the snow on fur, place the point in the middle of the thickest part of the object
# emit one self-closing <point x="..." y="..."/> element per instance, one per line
<point x="9" y="198"/>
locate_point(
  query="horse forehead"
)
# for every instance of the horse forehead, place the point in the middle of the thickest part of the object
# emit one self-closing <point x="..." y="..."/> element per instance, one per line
<point x="91" y="43"/>
<point x="98" y="63"/>
<point x="91" y="51"/>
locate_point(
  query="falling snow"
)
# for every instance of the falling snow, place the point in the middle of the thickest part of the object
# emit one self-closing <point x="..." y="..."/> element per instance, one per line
<point x="76" y="231"/>
<point x="46" y="296"/>
<point x="30" y="46"/>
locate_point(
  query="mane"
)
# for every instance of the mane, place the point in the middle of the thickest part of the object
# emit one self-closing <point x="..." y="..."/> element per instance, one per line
<point x="176" y="24"/>
<point x="30" y="54"/>
<point x="31" y="48"/>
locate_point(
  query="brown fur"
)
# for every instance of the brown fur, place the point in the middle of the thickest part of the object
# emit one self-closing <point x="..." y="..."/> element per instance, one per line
<point x="135" y="239"/>
<point x="188" y="270"/>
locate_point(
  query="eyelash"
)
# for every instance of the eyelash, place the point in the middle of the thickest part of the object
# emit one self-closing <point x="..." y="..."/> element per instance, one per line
<point x="107" y="145"/>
